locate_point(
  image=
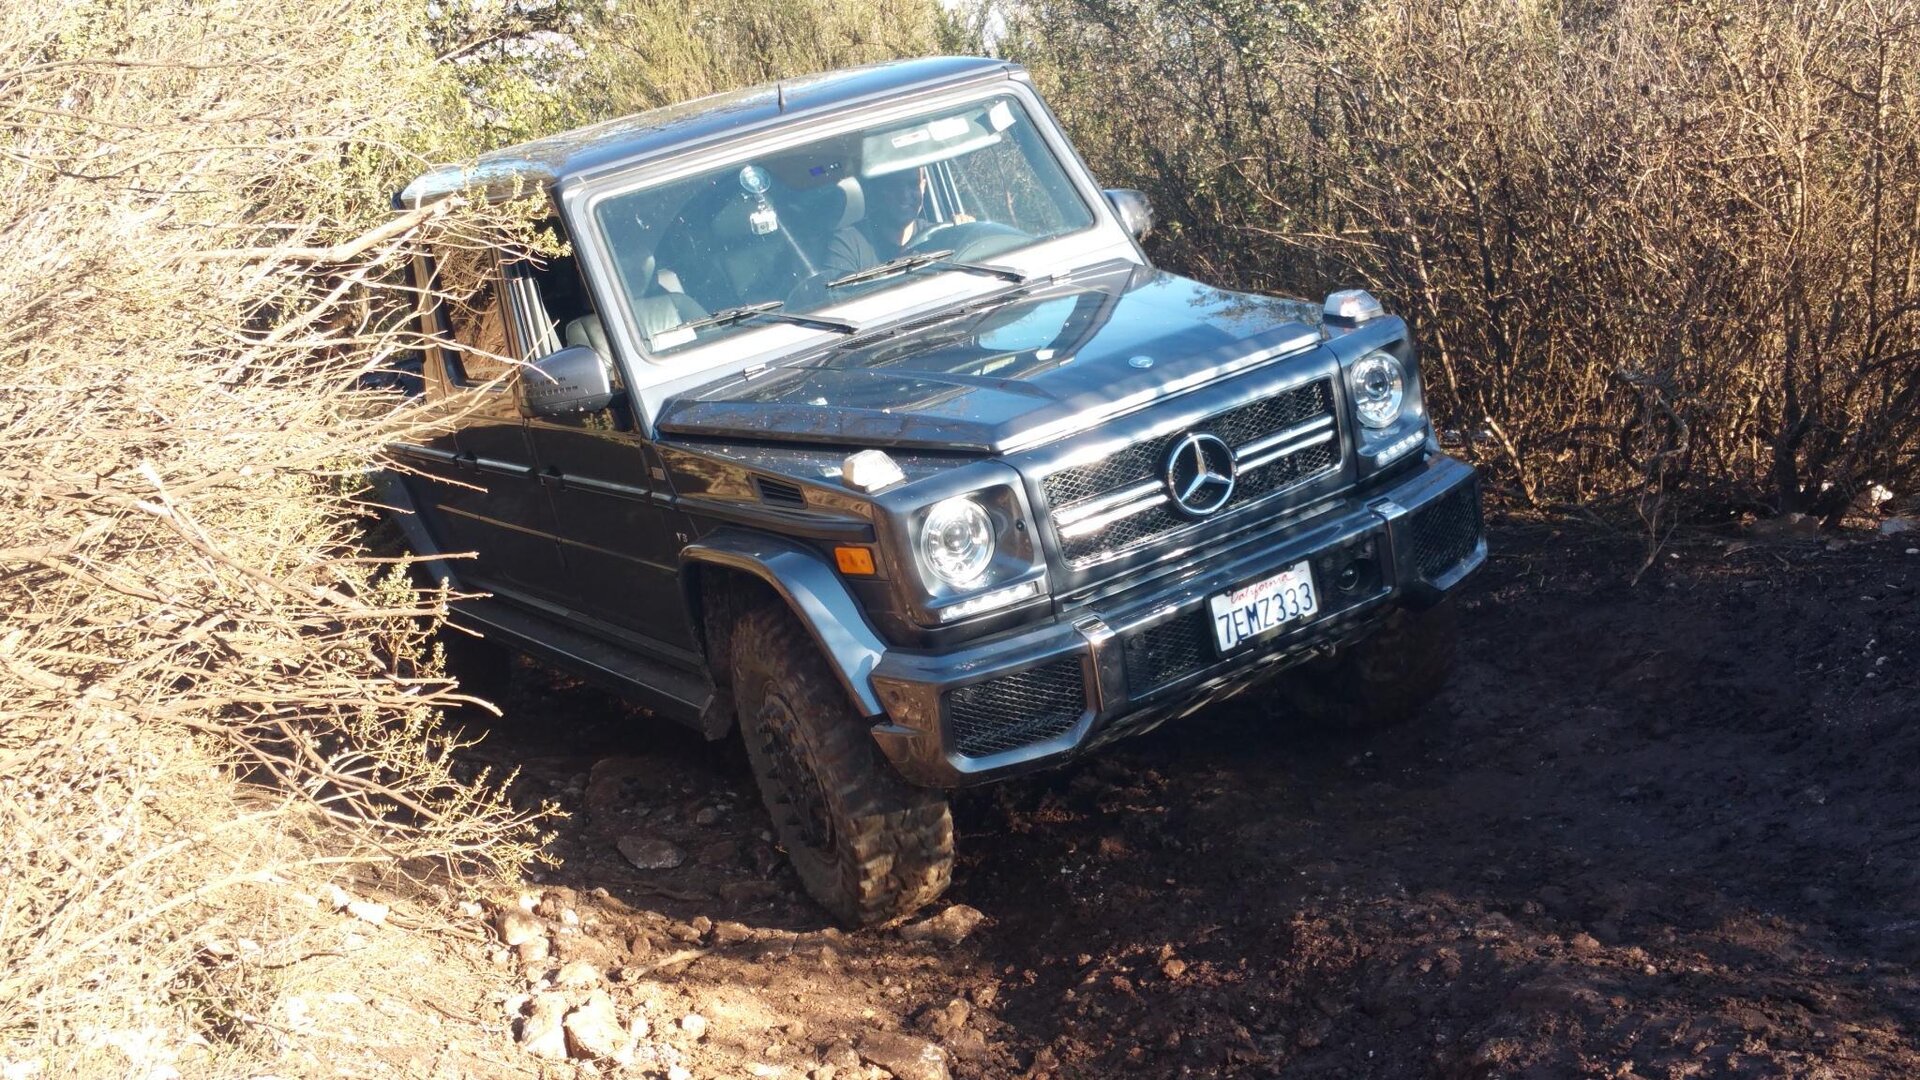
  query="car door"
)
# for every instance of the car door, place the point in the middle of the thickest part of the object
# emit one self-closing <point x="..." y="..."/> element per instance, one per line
<point x="475" y="486"/>
<point x="619" y="533"/>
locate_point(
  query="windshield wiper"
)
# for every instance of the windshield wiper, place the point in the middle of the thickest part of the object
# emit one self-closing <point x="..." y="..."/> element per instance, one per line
<point x="767" y="309"/>
<point x="972" y="305"/>
<point x="942" y="259"/>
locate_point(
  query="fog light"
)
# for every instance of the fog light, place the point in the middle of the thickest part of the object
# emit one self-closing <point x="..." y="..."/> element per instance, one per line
<point x="993" y="601"/>
<point x="1400" y="447"/>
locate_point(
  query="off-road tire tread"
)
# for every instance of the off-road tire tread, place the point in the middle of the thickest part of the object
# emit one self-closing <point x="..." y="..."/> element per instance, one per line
<point x="894" y="842"/>
<point x="1381" y="682"/>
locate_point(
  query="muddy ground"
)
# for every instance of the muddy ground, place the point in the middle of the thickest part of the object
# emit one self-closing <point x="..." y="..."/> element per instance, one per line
<point x="1662" y="830"/>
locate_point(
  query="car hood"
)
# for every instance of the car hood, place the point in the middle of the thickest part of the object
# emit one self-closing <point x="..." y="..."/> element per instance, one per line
<point x="1015" y="374"/>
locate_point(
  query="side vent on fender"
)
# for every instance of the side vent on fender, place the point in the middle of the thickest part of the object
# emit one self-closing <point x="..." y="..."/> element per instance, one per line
<point x="779" y="492"/>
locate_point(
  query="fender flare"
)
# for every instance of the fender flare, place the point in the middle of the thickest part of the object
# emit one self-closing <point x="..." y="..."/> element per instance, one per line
<point x="811" y="589"/>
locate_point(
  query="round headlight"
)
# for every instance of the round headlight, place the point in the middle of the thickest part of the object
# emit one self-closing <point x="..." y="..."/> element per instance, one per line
<point x="957" y="541"/>
<point x="1379" y="387"/>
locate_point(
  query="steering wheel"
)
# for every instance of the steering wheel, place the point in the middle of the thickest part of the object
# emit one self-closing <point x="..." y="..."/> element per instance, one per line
<point x="969" y="239"/>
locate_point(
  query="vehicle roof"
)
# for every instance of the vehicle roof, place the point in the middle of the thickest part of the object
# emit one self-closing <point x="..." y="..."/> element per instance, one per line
<point x="535" y="167"/>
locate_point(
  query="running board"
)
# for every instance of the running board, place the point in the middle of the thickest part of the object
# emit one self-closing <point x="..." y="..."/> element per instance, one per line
<point x="670" y="691"/>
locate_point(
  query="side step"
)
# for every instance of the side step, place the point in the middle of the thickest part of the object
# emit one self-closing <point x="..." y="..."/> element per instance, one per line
<point x="671" y="691"/>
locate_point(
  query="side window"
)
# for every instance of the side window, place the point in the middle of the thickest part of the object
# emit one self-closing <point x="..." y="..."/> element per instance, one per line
<point x="550" y="305"/>
<point x="471" y="302"/>
<point x="554" y="301"/>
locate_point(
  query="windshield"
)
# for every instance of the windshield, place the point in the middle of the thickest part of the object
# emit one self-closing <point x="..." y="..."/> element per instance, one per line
<point x="786" y="233"/>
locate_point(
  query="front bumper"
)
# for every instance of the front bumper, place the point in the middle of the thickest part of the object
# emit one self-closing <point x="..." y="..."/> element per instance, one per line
<point x="1125" y="663"/>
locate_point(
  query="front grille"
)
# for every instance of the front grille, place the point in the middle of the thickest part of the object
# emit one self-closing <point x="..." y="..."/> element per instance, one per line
<point x="1017" y="710"/>
<point x="1160" y="654"/>
<point x="1135" y="463"/>
<point x="1312" y="461"/>
<point x="1446" y="531"/>
<point x="1144" y="462"/>
<point x="1272" y="414"/>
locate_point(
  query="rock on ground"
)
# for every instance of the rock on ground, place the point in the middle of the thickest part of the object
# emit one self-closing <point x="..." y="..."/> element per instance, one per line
<point x="517" y="928"/>
<point x="906" y="1057"/>
<point x="594" y="1031"/>
<point x="650" y="853"/>
<point x="542" y="1033"/>
<point x="950" y="927"/>
<point x="578" y="973"/>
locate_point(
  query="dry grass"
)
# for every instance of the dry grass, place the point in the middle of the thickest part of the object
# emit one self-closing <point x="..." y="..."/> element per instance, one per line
<point x="214" y="700"/>
<point x="209" y="692"/>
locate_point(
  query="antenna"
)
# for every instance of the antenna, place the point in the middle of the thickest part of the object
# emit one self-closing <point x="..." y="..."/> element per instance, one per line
<point x="780" y="95"/>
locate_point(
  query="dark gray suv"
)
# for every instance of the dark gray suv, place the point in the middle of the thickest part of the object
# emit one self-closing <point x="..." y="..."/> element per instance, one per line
<point x="847" y="414"/>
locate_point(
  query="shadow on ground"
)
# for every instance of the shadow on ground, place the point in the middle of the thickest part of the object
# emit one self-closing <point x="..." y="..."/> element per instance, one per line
<point x="1657" y="831"/>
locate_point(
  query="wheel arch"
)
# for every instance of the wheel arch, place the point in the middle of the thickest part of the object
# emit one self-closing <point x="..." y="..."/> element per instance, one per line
<point x="731" y="569"/>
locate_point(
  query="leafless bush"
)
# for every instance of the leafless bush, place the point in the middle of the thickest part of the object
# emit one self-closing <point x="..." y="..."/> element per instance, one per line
<point x="207" y="686"/>
<point x="1662" y="256"/>
<point x="641" y="54"/>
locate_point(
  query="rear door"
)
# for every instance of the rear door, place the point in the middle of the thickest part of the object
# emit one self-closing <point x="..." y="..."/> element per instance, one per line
<point x="476" y="486"/>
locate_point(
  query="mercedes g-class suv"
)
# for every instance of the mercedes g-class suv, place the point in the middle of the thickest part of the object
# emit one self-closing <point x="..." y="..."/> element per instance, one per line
<point x="848" y="415"/>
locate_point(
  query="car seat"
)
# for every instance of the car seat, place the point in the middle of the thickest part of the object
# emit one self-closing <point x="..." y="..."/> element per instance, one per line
<point x="656" y="309"/>
<point x="844" y="249"/>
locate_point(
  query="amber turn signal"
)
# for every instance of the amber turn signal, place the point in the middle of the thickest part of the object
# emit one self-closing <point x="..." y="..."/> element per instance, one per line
<point x="854" y="560"/>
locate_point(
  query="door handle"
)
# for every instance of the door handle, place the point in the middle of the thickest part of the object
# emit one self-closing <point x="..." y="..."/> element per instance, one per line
<point x="552" y="479"/>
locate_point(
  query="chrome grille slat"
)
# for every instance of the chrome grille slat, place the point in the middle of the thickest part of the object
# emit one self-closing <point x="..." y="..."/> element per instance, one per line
<point x="1281" y="451"/>
<point x="1087" y="508"/>
<point x="1119" y="502"/>
<point x="1089" y="526"/>
<point x="1280" y="438"/>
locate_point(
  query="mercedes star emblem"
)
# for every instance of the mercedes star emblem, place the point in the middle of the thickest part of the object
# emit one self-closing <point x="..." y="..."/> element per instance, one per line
<point x="1200" y="473"/>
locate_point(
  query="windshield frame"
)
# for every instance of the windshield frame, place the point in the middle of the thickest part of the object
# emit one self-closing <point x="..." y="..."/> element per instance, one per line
<point x="653" y="378"/>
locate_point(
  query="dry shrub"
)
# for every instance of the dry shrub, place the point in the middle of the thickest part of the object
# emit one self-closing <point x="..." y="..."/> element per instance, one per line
<point x="212" y="696"/>
<point x="208" y="688"/>
<point x="1662" y="255"/>
<point x="617" y="58"/>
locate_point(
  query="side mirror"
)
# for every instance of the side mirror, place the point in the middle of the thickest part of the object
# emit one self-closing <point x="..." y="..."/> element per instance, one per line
<point x="1133" y="209"/>
<point x="571" y="381"/>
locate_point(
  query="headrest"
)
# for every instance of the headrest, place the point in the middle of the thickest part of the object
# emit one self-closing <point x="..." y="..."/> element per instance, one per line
<point x="635" y="274"/>
<point x="853" y="203"/>
<point x="586" y="330"/>
<point x="633" y="248"/>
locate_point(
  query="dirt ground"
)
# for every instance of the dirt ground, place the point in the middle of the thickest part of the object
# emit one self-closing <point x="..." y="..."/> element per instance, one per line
<point x="1662" y="830"/>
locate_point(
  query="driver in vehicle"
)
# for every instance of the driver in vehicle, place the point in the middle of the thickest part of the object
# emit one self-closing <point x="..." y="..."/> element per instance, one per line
<point x="896" y="217"/>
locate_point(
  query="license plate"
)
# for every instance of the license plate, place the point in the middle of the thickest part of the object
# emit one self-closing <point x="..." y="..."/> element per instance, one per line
<point x="1252" y="610"/>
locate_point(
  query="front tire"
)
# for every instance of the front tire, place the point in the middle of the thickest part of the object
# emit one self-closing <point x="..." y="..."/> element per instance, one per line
<point x="1381" y="681"/>
<point x="868" y="847"/>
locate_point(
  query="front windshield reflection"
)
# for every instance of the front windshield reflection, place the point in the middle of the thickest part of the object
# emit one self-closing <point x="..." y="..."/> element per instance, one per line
<point x="977" y="180"/>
